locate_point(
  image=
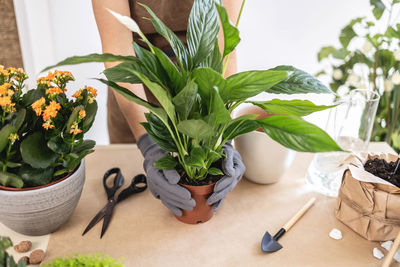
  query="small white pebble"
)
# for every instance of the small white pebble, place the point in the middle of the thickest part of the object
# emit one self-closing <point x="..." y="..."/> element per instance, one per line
<point x="335" y="234"/>
<point x="377" y="253"/>
<point x="397" y="256"/>
<point x="387" y="245"/>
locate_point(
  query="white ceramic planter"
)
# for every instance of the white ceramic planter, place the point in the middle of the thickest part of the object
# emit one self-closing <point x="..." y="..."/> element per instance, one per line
<point x="42" y="211"/>
<point x="265" y="160"/>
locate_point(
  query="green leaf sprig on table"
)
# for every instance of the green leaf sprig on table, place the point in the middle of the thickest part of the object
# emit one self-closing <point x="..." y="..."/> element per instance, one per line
<point x="194" y="120"/>
<point x="7" y="260"/>
<point x="95" y="260"/>
<point x="41" y="131"/>
<point x="374" y="64"/>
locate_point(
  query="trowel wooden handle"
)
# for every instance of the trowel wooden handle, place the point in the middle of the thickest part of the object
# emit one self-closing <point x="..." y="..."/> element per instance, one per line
<point x="298" y="215"/>
<point x="392" y="251"/>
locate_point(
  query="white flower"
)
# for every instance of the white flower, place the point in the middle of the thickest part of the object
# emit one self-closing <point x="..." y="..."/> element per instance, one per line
<point x="388" y="85"/>
<point x="397" y="55"/>
<point x="353" y="79"/>
<point x="337" y="74"/>
<point x="396" y="78"/>
<point x="362" y="86"/>
<point x="126" y="21"/>
<point x="367" y="47"/>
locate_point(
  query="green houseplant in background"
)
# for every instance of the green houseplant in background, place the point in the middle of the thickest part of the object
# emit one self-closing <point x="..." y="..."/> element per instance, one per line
<point x="193" y="121"/>
<point x="97" y="260"/>
<point x="42" y="149"/>
<point x="369" y="57"/>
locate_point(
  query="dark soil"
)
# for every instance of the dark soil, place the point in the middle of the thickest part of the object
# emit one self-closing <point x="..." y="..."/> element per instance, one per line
<point x="208" y="180"/>
<point x="384" y="170"/>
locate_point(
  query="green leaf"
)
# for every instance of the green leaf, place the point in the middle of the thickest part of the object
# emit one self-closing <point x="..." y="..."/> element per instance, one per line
<point x="196" y="158"/>
<point x="379" y="8"/>
<point x="243" y="85"/>
<point x="176" y="80"/>
<point x="167" y="162"/>
<point x="290" y="107"/>
<point x="57" y="144"/>
<point x="73" y="117"/>
<point x="197" y="129"/>
<point x="215" y="171"/>
<point x="214" y="60"/>
<point x="206" y="79"/>
<point x="32" y="95"/>
<point x="72" y="160"/>
<point x="239" y="127"/>
<point x="85" y="145"/>
<point x="92" y="58"/>
<point x="185" y="99"/>
<point x="119" y="73"/>
<point x="161" y="95"/>
<point x="348" y="33"/>
<point x="298" y="82"/>
<point x="10" y="179"/>
<point x="218" y="111"/>
<point x="325" y="52"/>
<point x="91" y="111"/>
<point x="202" y="30"/>
<point x="35" y="177"/>
<point x="11" y="164"/>
<point x="392" y="33"/>
<point x="178" y="47"/>
<point x="231" y="33"/>
<point x="4" y="134"/>
<point x="341" y="53"/>
<point x="35" y="152"/>
<point x="18" y="118"/>
<point x="159" y="112"/>
<point x="159" y="132"/>
<point x="297" y="134"/>
<point x="150" y="61"/>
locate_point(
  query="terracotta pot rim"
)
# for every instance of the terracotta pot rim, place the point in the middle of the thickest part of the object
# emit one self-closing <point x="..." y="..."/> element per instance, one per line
<point x="13" y="189"/>
<point x="199" y="189"/>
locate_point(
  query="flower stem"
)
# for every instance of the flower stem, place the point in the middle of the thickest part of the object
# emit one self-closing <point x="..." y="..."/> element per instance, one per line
<point x="236" y="25"/>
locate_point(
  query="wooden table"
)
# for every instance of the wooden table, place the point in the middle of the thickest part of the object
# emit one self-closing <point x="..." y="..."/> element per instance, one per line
<point x="145" y="233"/>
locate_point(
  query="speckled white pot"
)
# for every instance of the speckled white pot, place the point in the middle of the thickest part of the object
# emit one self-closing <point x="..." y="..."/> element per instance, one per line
<point x="42" y="211"/>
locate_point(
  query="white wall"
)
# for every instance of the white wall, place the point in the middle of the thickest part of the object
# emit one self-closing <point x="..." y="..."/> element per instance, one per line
<point x="273" y="33"/>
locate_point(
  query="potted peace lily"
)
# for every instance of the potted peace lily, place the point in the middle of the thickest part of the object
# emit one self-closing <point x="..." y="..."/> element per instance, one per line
<point x="42" y="149"/>
<point x="194" y="121"/>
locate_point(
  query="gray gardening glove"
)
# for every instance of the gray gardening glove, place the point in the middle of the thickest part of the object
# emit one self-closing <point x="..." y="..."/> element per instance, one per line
<point x="233" y="168"/>
<point x="163" y="184"/>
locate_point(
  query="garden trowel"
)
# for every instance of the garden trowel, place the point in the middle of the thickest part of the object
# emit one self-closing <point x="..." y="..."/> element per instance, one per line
<point x="270" y="243"/>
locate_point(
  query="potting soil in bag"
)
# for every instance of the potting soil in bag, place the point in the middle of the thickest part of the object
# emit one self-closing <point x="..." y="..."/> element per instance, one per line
<point x="366" y="203"/>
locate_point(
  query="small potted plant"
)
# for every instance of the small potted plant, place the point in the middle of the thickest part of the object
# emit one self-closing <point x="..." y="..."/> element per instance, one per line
<point x="42" y="170"/>
<point x="194" y="121"/>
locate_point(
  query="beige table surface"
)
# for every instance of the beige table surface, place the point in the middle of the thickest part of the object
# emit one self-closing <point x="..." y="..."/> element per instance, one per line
<point x="145" y="233"/>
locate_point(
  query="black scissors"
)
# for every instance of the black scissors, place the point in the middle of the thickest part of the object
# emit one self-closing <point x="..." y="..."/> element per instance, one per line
<point x="138" y="184"/>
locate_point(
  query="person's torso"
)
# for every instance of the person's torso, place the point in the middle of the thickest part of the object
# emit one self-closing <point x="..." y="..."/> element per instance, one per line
<point x="174" y="14"/>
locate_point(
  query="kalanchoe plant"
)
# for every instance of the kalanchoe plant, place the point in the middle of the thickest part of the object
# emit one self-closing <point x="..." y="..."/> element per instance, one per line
<point x="41" y="134"/>
<point x="374" y="64"/>
<point x="6" y="259"/>
<point x="194" y="120"/>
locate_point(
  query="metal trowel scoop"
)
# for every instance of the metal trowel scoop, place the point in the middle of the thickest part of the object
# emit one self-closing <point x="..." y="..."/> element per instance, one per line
<point x="270" y="243"/>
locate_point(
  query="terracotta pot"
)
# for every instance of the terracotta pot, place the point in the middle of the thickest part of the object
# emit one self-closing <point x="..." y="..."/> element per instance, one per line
<point x="202" y="212"/>
<point x="42" y="211"/>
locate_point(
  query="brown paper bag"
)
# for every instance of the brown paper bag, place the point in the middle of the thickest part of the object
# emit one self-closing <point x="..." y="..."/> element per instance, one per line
<point x="368" y="204"/>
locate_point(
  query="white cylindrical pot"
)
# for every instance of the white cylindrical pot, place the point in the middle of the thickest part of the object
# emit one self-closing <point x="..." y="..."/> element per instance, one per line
<point x="265" y="160"/>
<point x="42" y="211"/>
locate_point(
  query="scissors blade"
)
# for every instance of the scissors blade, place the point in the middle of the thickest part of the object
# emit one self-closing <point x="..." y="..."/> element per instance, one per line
<point x="96" y="219"/>
<point x="107" y="216"/>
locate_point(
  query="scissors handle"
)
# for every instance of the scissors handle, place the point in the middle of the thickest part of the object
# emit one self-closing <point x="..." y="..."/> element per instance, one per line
<point x="118" y="181"/>
<point x="138" y="184"/>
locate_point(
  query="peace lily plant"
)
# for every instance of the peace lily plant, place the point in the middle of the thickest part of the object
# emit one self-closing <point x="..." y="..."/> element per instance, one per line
<point x="194" y="120"/>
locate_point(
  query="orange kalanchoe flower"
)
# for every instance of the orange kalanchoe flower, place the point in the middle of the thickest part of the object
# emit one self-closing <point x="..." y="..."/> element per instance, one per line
<point x="74" y="129"/>
<point x="51" y="110"/>
<point x="77" y="94"/>
<point x="6" y="101"/>
<point x="54" y="91"/>
<point x="82" y="114"/>
<point x="47" y="125"/>
<point x="43" y="81"/>
<point x="38" y="106"/>
<point x="4" y="89"/>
